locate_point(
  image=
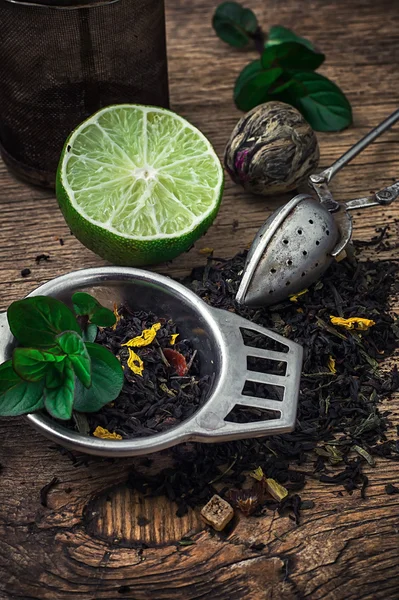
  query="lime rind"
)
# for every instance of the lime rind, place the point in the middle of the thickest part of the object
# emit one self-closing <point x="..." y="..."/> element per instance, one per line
<point x="142" y="173"/>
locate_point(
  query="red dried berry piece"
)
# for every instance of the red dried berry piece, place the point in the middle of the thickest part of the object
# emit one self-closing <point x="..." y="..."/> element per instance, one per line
<point x="176" y="360"/>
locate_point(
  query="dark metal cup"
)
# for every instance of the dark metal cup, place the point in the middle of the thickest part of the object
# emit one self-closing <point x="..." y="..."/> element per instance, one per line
<point x="62" y="60"/>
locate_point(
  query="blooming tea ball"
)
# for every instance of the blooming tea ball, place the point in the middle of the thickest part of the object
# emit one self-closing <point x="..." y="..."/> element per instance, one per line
<point x="271" y="150"/>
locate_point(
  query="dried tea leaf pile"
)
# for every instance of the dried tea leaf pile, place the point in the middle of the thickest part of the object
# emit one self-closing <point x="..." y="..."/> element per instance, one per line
<point x="162" y="382"/>
<point x="341" y="425"/>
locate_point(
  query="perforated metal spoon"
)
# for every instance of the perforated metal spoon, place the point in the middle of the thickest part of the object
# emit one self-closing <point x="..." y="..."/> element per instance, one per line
<point x="299" y="241"/>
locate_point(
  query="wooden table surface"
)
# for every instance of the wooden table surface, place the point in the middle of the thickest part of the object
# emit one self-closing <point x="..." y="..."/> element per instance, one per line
<point x="84" y="544"/>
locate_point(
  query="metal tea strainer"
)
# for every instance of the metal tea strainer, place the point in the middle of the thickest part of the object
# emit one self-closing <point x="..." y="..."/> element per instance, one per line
<point x="299" y="241"/>
<point x="227" y="346"/>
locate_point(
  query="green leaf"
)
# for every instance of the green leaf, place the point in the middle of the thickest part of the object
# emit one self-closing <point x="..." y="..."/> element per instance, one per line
<point x="106" y="380"/>
<point x="58" y="401"/>
<point x="85" y="304"/>
<point x="253" y="84"/>
<point x="31" y="364"/>
<point x="259" y="81"/>
<point x="234" y="24"/>
<point x="103" y="317"/>
<point x="55" y="375"/>
<point x="36" y="321"/>
<point x="73" y="345"/>
<point x="17" y="396"/>
<point x="321" y="102"/>
<point x="291" y="55"/>
<point x="279" y="35"/>
<point x="90" y="334"/>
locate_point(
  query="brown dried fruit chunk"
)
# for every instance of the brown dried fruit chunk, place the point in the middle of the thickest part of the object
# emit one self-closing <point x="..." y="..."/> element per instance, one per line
<point x="217" y="513"/>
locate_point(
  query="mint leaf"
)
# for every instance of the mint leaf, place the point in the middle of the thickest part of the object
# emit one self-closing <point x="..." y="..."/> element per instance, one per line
<point x="291" y="55"/>
<point x="321" y="102"/>
<point x="55" y="375"/>
<point x="279" y="35"/>
<point x="103" y="317"/>
<point x="18" y="396"/>
<point x="85" y="304"/>
<point x="74" y="347"/>
<point x="253" y="84"/>
<point x="106" y="380"/>
<point x="36" y="321"/>
<point x="259" y="81"/>
<point x="90" y="334"/>
<point x="58" y="401"/>
<point x="31" y="364"/>
<point x="234" y="24"/>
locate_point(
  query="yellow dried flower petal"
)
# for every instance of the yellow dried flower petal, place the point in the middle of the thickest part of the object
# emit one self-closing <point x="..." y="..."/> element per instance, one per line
<point x="104" y="434"/>
<point x="258" y="474"/>
<point x="135" y="363"/>
<point x="147" y="337"/>
<point x="275" y="489"/>
<point x="352" y="323"/>
<point x="299" y="310"/>
<point x="173" y="338"/>
<point x="294" y="297"/>
<point x="117" y="316"/>
<point x="331" y="364"/>
<point x="206" y="251"/>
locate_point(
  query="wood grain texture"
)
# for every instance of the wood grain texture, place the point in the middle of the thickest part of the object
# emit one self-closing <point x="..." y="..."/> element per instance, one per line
<point x="87" y="542"/>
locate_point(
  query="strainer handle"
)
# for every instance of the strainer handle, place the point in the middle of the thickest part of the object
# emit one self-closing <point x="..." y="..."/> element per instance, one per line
<point x="211" y="423"/>
<point x="326" y="175"/>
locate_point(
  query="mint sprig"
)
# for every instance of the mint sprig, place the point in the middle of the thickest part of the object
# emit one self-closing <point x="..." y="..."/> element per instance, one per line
<point x="55" y="367"/>
<point x="285" y="70"/>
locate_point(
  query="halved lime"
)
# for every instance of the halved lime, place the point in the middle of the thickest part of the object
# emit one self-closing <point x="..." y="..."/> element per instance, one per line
<point x="138" y="184"/>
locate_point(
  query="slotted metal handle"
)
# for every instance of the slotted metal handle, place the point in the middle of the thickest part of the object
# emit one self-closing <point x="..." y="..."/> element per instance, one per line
<point x="211" y="419"/>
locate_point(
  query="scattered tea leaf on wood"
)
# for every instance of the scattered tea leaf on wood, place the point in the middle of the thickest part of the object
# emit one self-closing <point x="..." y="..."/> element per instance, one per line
<point x="339" y="410"/>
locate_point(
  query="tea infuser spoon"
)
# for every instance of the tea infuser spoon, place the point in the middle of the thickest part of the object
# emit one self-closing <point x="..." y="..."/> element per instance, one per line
<point x="225" y="354"/>
<point x="299" y="241"/>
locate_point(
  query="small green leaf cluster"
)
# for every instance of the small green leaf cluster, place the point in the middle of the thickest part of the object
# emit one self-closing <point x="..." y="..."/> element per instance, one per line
<point x="284" y="72"/>
<point x="56" y="366"/>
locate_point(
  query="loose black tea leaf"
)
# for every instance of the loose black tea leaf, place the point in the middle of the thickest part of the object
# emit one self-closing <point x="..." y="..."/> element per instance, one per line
<point x="162" y="382"/>
<point x="42" y="257"/>
<point x="391" y="489"/>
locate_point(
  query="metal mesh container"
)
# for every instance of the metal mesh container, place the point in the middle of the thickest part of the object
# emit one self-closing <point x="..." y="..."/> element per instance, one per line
<point x="61" y="61"/>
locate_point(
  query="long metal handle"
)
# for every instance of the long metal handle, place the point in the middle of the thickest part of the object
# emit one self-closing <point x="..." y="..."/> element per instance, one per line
<point x="328" y="174"/>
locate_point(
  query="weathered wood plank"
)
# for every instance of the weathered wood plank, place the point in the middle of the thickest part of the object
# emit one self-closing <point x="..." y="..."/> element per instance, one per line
<point x="84" y="544"/>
